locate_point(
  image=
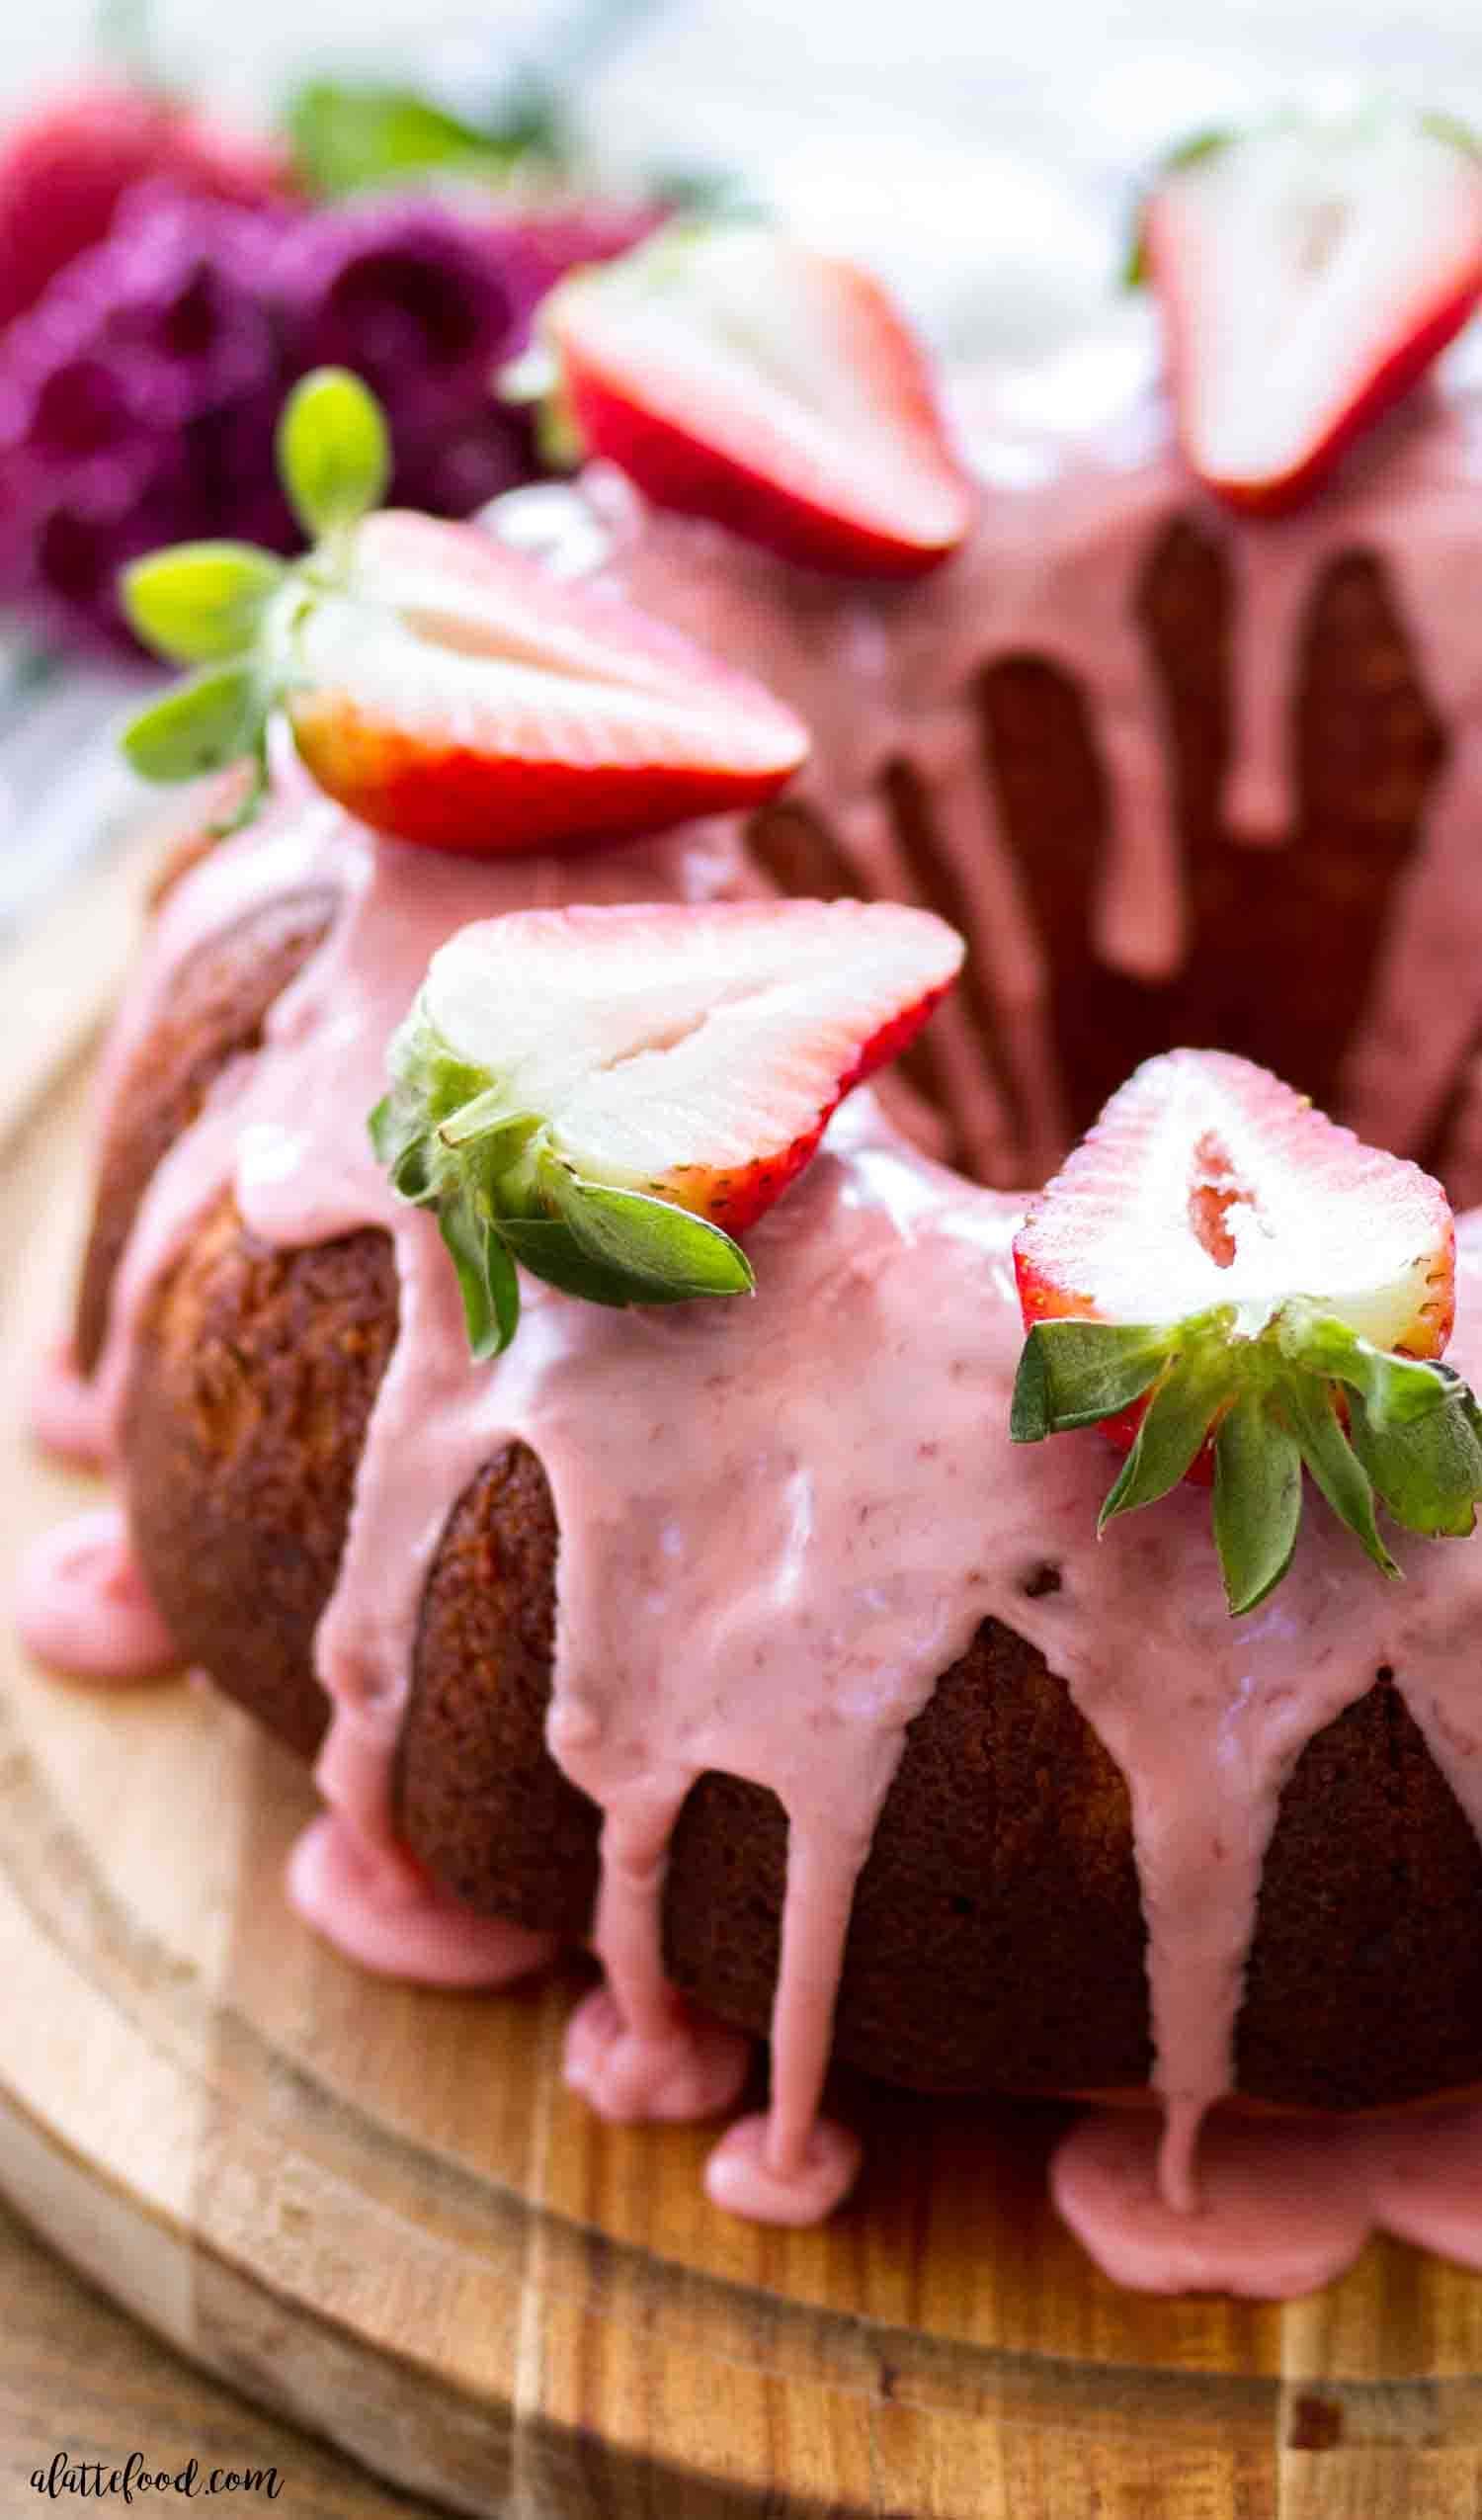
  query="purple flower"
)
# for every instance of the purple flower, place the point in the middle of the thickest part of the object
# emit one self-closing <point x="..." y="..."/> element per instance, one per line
<point x="140" y="396"/>
<point x="420" y="300"/>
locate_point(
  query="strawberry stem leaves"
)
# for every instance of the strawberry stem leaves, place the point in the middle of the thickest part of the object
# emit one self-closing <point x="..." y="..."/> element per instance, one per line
<point x="201" y="724"/>
<point x="503" y="1194"/>
<point x="1258" y="1501"/>
<point x="1298" y="1389"/>
<point x="1086" y="1372"/>
<point x="1174" y="1430"/>
<point x="334" y="452"/>
<point x="233" y="610"/>
<point x="198" y="602"/>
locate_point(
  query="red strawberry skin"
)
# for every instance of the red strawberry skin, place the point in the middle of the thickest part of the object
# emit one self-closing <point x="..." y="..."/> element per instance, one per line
<point x="678" y="471"/>
<point x="735" y="1199"/>
<point x="1392" y="377"/>
<point x="480" y="804"/>
<point x="509" y="713"/>
<point x="677" y="466"/>
<point x="64" y="172"/>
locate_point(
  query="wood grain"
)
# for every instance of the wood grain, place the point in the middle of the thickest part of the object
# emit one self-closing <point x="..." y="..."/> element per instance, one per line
<point x="376" y="2213"/>
<point x="77" y="2376"/>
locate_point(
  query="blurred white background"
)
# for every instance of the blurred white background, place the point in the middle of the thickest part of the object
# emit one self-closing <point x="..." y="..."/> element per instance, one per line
<point x="981" y="155"/>
<point x="983" y="158"/>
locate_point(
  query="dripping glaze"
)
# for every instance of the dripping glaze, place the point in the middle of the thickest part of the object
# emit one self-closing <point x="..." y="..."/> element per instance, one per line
<point x="880" y="1275"/>
<point x="1080" y="478"/>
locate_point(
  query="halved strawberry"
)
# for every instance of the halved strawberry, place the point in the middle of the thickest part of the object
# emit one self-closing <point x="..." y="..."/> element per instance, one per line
<point x="1219" y="1264"/>
<point x="1308" y="273"/>
<point x="733" y="374"/>
<point x="441" y="685"/>
<point x="599" y="1092"/>
<point x="456" y="695"/>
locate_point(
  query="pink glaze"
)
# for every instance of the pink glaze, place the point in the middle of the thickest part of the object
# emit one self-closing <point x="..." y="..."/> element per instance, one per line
<point x="1080" y="478"/>
<point x="1285" y="2205"/>
<point x="65" y="1415"/>
<point x="744" y="1482"/>
<point x="678" y="2066"/>
<point x="81" y="1606"/>
<point x="744" y="2175"/>
<point x="781" y="1519"/>
<point x="379" y="1907"/>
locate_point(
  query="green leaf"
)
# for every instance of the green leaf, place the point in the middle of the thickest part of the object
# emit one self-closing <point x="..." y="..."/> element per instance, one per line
<point x="1456" y="133"/>
<point x="198" y="602"/>
<point x="488" y="1123"/>
<point x="1170" y="1439"/>
<point x="1076" y="1372"/>
<point x="549" y="1250"/>
<point x="1428" y="1473"/>
<point x="649" y="1240"/>
<point x="1258" y="1501"/>
<point x="333" y="453"/>
<point x="348" y="135"/>
<point x="1397" y="1390"/>
<point x="199" y="725"/>
<point x="412" y="1175"/>
<point x="400" y="1142"/>
<point x="1309" y="1410"/>
<point x="486" y="1276"/>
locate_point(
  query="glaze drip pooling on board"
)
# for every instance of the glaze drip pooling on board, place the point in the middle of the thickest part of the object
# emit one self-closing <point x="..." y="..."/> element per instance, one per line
<point x="781" y="1520"/>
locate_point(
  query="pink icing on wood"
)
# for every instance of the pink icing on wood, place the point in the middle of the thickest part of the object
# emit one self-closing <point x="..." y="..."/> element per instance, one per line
<point x="65" y="1417"/>
<point x="379" y="1909"/>
<point x="82" y="1609"/>
<point x="1285" y="2205"/>
<point x="744" y="2176"/>
<point x="673" y="2065"/>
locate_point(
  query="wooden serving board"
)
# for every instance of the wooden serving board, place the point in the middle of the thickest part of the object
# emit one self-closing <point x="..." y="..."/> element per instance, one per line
<point x="377" y="2210"/>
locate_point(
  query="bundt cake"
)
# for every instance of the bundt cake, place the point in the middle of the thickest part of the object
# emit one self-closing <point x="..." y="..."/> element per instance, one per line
<point x="738" y="1638"/>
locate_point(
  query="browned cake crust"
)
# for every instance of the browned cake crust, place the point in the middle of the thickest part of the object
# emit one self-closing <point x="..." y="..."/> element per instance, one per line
<point x="997" y="1938"/>
<point x="215" y="1012"/>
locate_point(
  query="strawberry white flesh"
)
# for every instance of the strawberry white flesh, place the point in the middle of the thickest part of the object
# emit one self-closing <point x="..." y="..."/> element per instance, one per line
<point x="1206" y="1181"/>
<point x="735" y="374"/>
<point x="1239" y="1291"/>
<point x="1308" y="274"/>
<point x="449" y="691"/>
<point x="691" y="1053"/>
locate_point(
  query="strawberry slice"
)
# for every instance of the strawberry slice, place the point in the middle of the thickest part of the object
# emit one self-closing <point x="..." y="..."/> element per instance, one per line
<point x="437" y="684"/>
<point x="1309" y="275"/>
<point x="733" y="374"/>
<point x="600" y="1093"/>
<point x="1220" y="1266"/>
<point x="450" y="693"/>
